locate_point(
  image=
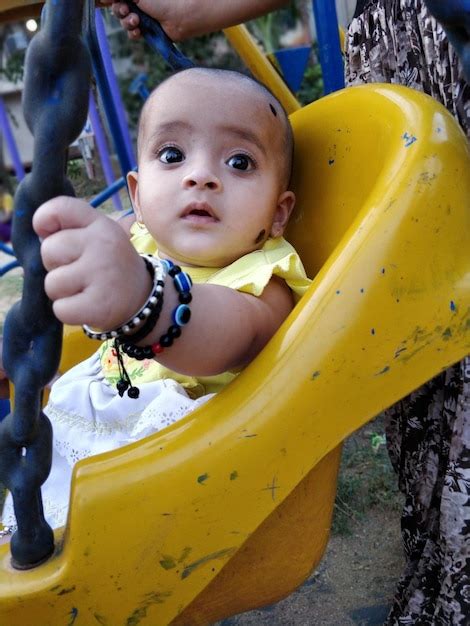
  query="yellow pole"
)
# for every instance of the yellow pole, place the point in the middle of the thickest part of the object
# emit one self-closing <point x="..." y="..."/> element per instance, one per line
<point x="259" y="65"/>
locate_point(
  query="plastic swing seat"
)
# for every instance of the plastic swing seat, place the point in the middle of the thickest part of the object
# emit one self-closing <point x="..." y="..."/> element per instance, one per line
<point x="230" y="508"/>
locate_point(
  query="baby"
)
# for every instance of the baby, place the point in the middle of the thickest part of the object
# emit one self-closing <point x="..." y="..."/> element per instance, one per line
<point x="212" y="201"/>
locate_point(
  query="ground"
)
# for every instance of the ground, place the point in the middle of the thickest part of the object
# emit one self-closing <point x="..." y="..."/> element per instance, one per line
<point x="355" y="582"/>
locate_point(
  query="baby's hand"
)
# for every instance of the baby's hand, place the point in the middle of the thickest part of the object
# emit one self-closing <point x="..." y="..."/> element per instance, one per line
<point x="94" y="274"/>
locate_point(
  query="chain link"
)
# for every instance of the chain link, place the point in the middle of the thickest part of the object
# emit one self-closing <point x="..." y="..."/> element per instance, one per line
<point x="55" y="104"/>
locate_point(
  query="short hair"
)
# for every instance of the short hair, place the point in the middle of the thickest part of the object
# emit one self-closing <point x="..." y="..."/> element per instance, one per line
<point x="288" y="138"/>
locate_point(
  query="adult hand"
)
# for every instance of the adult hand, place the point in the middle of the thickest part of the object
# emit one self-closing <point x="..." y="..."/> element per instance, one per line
<point x="182" y="19"/>
<point x="167" y="12"/>
<point x="94" y="274"/>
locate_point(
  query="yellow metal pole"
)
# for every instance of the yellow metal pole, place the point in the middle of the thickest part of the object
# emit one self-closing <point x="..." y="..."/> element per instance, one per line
<point x="259" y="65"/>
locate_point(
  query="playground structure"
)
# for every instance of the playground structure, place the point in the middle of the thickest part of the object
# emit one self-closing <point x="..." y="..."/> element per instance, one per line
<point x="230" y="508"/>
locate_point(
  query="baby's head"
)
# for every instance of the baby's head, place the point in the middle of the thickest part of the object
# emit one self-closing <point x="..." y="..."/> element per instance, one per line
<point x="215" y="157"/>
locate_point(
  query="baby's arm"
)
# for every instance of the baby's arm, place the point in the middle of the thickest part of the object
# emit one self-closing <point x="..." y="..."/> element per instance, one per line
<point x="96" y="277"/>
<point x="181" y="19"/>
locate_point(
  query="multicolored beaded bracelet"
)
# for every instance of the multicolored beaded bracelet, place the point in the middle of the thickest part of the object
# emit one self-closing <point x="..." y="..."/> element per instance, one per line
<point x="180" y="317"/>
<point x="146" y="314"/>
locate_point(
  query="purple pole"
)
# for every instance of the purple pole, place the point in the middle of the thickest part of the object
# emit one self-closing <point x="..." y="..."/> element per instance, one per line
<point x="11" y="143"/>
<point x="102" y="148"/>
<point x="116" y="94"/>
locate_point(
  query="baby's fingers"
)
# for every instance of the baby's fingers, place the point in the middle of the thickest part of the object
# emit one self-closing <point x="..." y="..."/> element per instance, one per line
<point x="62" y="213"/>
<point x="61" y="248"/>
<point x="64" y="282"/>
<point x="78" y="309"/>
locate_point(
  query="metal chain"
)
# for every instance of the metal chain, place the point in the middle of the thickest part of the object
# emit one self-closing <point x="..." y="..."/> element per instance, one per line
<point x="55" y="104"/>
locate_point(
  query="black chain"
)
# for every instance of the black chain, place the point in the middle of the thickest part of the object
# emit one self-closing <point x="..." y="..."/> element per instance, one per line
<point x="55" y="104"/>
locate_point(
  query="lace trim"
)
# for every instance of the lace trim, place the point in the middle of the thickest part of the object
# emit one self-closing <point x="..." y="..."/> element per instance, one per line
<point x="84" y="424"/>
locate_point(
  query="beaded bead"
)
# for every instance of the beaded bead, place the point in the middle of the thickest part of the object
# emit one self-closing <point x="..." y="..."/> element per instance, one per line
<point x="174" y="269"/>
<point x="181" y="315"/>
<point x="174" y="331"/>
<point x="166" y="341"/>
<point x="182" y="282"/>
<point x="185" y="297"/>
<point x="133" y="392"/>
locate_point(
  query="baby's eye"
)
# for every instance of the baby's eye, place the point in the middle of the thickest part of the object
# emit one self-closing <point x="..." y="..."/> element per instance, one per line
<point x="170" y="154"/>
<point x="241" y="162"/>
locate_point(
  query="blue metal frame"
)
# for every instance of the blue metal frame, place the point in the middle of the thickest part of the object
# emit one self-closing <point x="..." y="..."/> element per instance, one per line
<point x="107" y="86"/>
<point x="5" y="129"/>
<point x="329" y="47"/>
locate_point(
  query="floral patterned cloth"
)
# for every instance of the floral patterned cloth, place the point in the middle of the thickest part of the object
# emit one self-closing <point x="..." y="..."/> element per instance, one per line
<point x="428" y="433"/>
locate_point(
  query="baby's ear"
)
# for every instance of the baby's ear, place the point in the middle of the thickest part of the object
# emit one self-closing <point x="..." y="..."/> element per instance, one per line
<point x="133" y="186"/>
<point x="285" y="204"/>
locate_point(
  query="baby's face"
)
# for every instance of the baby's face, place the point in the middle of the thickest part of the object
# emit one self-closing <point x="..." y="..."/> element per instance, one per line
<point x="209" y="187"/>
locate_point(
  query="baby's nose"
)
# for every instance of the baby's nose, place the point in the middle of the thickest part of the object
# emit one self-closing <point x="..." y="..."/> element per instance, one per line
<point x="202" y="178"/>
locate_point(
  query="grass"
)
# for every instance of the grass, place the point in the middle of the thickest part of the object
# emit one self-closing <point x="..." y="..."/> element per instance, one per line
<point x="366" y="478"/>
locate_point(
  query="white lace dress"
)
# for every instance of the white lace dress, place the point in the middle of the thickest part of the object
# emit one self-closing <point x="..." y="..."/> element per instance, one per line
<point x="89" y="417"/>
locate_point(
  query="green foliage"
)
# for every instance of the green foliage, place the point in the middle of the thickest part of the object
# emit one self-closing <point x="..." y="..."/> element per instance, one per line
<point x="14" y="67"/>
<point x="74" y="170"/>
<point x="269" y="28"/>
<point x="312" y="84"/>
<point x="366" y="480"/>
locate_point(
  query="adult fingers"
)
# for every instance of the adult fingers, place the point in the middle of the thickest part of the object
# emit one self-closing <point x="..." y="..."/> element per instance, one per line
<point x="134" y="33"/>
<point x="120" y="9"/>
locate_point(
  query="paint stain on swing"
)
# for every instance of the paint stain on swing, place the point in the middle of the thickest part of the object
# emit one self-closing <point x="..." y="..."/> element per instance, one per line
<point x="383" y="371"/>
<point x="73" y="616"/>
<point x="168" y="562"/>
<point x="399" y="351"/>
<point x="63" y="592"/>
<point x="234" y="475"/>
<point x="205" y="559"/>
<point x="249" y="436"/>
<point x="447" y="334"/>
<point x="409" y="139"/>
<point x="202" y="478"/>
<point x="316" y="374"/>
<point x="453" y="306"/>
<point x="141" y="612"/>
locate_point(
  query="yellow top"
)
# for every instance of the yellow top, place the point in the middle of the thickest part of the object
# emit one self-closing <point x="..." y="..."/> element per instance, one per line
<point x="249" y="274"/>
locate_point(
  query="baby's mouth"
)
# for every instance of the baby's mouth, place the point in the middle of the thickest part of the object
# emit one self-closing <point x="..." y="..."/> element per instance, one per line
<point x="200" y="212"/>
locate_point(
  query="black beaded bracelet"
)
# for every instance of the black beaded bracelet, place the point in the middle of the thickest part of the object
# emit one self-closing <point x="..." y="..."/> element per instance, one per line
<point x="180" y="317"/>
<point x="147" y="315"/>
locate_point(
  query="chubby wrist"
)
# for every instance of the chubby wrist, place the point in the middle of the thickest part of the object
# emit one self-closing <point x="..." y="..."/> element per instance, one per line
<point x="146" y="285"/>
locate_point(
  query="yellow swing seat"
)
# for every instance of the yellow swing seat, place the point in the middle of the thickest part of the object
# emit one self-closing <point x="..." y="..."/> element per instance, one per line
<point x="229" y="509"/>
